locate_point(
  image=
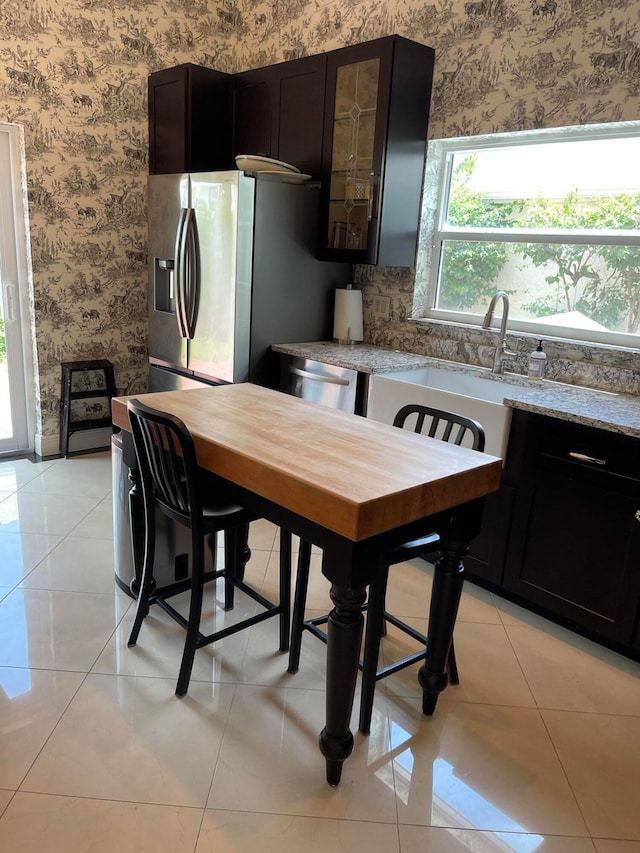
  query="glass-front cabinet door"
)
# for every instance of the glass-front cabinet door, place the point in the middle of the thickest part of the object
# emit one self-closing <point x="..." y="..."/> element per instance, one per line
<point x="354" y="123"/>
<point x="375" y="128"/>
<point x="352" y="170"/>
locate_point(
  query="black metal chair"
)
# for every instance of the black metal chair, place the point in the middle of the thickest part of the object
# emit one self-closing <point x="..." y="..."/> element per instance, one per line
<point x="446" y="426"/>
<point x="173" y="483"/>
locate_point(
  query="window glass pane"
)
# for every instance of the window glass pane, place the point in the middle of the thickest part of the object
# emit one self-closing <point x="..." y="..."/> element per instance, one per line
<point x="588" y="287"/>
<point x="586" y="184"/>
<point x="552" y="217"/>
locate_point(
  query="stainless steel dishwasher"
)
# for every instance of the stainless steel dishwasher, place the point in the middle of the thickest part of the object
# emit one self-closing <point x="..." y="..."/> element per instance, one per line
<point x="326" y="384"/>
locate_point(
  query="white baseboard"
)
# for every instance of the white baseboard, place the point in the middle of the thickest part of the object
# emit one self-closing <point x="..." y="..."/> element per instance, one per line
<point x="49" y="445"/>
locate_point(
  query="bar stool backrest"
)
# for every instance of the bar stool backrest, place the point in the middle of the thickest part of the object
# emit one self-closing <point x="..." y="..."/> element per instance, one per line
<point x="167" y="461"/>
<point x="441" y="424"/>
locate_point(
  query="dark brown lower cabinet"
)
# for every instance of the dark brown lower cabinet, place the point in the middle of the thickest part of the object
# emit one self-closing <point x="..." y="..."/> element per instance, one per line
<point x="635" y="644"/>
<point x="485" y="561"/>
<point x="562" y="535"/>
<point x="574" y="544"/>
<point x="487" y="552"/>
<point x="575" y="549"/>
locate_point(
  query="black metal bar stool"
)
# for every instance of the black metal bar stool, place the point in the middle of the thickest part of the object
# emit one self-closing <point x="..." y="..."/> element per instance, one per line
<point x="435" y="423"/>
<point x="172" y="482"/>
<point x="85" y="380"/>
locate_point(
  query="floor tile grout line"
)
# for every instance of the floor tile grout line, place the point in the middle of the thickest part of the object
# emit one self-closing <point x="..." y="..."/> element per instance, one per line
<point x="83" y="679"/>
<point x="50" y="552"/>
<point x="110" y="800"/>
<point x="589" y="713"/>
<point x="57" y="723"/>
<point x="520" y="666"/>
<point x="544" y="707"/>
<point x="217" y="759"/>
<point x="86" y="675"/>
<point x="565" y="773"/>
<point x="9" y="801"/>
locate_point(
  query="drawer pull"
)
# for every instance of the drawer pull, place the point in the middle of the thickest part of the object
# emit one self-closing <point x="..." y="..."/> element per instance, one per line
<point x="592" y="460"/>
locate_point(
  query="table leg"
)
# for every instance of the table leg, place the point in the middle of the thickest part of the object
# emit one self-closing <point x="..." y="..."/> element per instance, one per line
<point x="448" y="576"/>
<point x="344" y="632"/>
<point x="457" y="530"/>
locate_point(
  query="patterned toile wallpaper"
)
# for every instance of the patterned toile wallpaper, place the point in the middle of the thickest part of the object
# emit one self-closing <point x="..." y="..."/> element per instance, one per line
<point x="74" y="75"/>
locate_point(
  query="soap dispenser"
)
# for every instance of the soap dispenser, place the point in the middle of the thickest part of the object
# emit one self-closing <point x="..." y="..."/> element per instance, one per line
<point x="537" y="362"/>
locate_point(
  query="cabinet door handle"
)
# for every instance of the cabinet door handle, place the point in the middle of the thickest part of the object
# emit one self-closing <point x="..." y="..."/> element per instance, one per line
<point x="592" y="460"/>
<point x="372" y="204"/>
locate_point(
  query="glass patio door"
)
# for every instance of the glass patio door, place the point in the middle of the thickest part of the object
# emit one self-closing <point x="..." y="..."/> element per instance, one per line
<point x="16" y="374"/>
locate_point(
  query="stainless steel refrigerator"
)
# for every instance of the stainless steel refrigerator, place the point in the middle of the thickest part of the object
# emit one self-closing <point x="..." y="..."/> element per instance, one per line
<point x="232" y="270"/>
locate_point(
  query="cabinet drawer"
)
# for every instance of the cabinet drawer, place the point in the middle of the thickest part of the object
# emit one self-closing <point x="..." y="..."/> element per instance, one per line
<point x="586" y="453"/>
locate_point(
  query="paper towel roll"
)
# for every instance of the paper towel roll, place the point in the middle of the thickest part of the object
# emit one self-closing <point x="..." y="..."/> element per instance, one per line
<point x="347" y="319"/>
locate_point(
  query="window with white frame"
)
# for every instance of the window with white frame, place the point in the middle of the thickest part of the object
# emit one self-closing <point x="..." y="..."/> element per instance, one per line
<point x="550" y="217"/>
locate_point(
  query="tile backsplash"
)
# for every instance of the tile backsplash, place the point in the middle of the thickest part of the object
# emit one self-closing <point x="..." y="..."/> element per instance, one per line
<point x="588" y="365"/>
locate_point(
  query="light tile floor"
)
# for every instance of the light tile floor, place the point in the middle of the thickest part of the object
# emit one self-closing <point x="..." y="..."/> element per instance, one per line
<point x="538" y="749"/>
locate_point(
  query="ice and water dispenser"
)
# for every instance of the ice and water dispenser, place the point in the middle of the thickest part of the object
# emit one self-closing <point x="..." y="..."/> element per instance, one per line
<point x="163" y="285"/>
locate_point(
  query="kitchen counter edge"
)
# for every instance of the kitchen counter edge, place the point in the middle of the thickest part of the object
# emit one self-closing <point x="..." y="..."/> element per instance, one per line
<point x="600" y="409"/>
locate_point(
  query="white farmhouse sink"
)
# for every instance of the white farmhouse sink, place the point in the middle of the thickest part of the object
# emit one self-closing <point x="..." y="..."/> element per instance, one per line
<point x="476" y="396"/>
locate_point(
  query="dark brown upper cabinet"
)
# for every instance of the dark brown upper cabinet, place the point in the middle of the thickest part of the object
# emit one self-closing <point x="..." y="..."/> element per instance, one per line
<point x="355" y="118"/>
<point x="375" y="128"/>
<point x="251" y="113"/>
<point x="189" y="126"/>
<point x="278" y="111"/>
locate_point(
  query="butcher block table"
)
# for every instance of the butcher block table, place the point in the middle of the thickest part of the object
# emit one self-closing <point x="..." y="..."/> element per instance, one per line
<point x="353" y="487"/>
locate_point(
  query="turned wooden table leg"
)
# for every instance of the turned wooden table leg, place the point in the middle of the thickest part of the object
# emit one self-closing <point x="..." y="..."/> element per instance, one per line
<point x="445" y="596"/>
<point x="456" y="529"/>
<point x="343" y="649"/>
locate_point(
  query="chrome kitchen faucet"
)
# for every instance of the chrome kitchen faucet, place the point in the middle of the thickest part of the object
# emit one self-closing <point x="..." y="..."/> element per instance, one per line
<point x="501" y="352"/>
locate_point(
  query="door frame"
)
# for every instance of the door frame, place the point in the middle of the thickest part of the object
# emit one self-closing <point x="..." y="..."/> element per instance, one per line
<point x="16" y="286"/>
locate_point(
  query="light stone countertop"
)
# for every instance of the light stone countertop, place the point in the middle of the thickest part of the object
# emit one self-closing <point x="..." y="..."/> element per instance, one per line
<point x="362" y="357"/>
<point x="601" y="409"/>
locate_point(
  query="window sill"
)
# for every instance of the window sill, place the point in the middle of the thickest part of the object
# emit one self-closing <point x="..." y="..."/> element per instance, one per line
<point x="552" y="335"/>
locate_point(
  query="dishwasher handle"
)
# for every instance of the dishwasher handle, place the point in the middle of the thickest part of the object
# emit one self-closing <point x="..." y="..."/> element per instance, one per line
<point x="318" y="377"/>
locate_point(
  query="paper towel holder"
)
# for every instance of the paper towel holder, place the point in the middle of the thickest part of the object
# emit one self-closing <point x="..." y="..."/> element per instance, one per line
<point x="348" y="320"/>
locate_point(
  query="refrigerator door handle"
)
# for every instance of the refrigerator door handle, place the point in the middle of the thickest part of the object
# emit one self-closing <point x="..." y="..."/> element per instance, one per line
<point x="192" y="277"/>
<point x="180" y="273"/>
